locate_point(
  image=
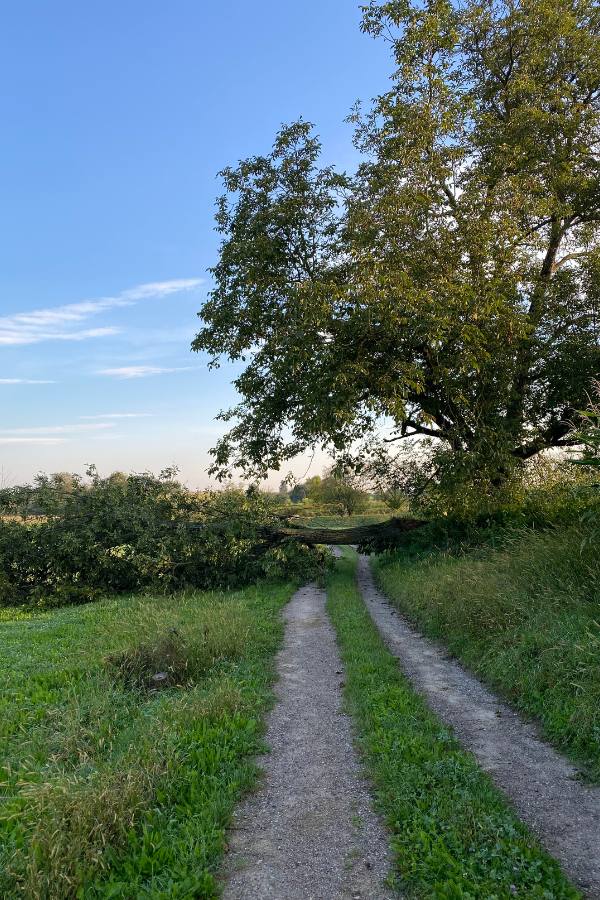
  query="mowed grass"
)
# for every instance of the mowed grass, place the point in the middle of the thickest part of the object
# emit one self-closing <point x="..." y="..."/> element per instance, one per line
<point x="109" y="788"/>
<point x="524" y="616"/>
<point x="453" y="835"/>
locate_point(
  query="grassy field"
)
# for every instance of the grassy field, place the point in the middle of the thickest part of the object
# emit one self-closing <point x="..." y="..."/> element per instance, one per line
<point x="453" y="836"/>
<point x="525" y="617"/>
<point x="110" y="788"/>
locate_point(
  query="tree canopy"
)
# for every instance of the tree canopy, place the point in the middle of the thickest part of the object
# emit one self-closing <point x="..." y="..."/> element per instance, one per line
<point x="450" y="287"/>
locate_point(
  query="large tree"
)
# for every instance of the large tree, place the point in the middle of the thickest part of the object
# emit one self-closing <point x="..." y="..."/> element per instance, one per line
<point x="451" y="286"/>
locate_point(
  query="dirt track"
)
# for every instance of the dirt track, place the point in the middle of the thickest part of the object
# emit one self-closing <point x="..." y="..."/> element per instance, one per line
<point x="309" y="833"/>
<point x="542" y="785"/>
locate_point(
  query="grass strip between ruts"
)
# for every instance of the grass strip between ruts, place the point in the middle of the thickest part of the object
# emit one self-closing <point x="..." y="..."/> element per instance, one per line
<point x="453" y="835"/>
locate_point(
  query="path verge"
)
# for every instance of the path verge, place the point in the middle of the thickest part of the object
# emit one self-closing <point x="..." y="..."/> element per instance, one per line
<point x="309" y="833"/>
<point x="541" y="784"/>
<point x="453" y="834"/>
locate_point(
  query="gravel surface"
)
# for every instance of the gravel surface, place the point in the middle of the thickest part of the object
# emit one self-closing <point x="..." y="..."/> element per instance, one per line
<point x="563" y="812"/>
<point x="309" y="833"/>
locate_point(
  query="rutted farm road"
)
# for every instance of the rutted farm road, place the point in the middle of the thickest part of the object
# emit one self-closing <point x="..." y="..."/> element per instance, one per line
<point x="310" y="832"/>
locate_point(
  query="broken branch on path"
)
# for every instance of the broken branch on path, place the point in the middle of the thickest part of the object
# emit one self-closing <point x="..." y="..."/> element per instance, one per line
<point x="382" y="532"/>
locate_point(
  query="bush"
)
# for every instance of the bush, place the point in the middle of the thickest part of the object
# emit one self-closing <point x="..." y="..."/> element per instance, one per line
<point x="549" y="493"/>
<point x="544" y="490"/>
<point x="589" y="435"/>
<point x="125" y="534"/>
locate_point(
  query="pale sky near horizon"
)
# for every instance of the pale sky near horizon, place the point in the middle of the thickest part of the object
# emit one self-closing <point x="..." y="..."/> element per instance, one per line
<point x="117" y="118"/>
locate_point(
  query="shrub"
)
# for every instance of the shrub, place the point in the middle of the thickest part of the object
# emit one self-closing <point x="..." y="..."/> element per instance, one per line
<point x="589" y="436"/>
<point x="548" y="493"/>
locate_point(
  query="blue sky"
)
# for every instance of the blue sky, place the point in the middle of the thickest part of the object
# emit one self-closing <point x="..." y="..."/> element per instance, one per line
<point x="117" y="116"/>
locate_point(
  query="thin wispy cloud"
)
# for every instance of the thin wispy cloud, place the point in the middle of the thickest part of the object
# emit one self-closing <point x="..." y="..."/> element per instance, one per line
<point x="26" y="381"/>
<point x="119" y="416"/>
<point x="142" y="371"/>
<point x="48" y="430"/>
<point x="64" y="323"/>
<point x="49" y="441"/>
<point x="160" y="288"/>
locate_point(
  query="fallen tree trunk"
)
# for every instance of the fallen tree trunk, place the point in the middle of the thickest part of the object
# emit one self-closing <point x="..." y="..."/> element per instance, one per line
<point x="383" y="532"/>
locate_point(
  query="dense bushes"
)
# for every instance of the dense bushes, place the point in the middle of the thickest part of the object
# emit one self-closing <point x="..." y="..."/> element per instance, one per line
<point x="124" y="533"/>
<point x="532" y="492"/>
<point x="547" y="494"/>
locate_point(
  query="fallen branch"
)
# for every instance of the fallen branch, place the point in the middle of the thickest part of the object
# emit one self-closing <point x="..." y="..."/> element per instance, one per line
<point x="384" y="532"/>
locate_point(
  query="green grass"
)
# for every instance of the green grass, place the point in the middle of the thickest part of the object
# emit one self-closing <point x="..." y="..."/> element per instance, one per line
<point x="108" y="789"/>
<point x="525" y="617"/>
<point x="342" y="521"/>
<point x="453" y="835"/>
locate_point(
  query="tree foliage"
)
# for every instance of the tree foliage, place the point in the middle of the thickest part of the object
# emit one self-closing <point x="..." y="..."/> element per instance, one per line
<point x="126" y="533"/>
<point x="588" y="436"/>
<point x="340" y="492"/>
<point x="449" y="288"/>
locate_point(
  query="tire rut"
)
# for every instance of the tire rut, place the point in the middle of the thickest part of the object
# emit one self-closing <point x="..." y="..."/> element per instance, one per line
<point x="309" y="832"/>
<point x="541" y="784"/>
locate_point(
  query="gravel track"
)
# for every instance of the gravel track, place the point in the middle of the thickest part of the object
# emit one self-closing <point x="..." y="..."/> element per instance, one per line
<point x="309" y="832"/>
<point x="541" y="784"/>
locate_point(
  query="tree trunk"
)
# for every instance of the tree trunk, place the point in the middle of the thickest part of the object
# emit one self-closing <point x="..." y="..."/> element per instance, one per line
<point x="387" y="531"/>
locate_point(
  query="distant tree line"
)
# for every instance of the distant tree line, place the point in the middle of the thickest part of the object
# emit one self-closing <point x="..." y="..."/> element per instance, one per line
<point x="343" y="493"/>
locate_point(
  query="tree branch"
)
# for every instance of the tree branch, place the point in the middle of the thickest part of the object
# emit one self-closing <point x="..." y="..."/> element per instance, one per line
<point x="389" y="532"/>
<point x="554" y="436"/>
<point x="418" y="429"/>
<point x="568" y="257"/>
